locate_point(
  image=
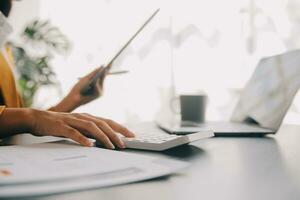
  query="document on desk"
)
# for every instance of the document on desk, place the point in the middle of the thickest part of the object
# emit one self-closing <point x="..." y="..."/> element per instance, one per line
<point x="48" y="168"/>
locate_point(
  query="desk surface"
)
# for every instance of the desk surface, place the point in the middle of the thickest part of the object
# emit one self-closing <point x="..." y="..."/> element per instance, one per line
<point x="222" y="168"/>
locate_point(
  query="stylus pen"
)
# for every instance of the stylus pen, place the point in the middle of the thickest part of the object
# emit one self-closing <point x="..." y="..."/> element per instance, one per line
<point x="118" y="72"/>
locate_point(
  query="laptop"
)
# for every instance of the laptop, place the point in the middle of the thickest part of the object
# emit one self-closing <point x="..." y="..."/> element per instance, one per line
<point x="220" y="128"/>
<point x="262" y="105"/>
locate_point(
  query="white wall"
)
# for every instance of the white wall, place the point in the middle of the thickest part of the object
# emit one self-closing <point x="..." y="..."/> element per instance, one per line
<point x="217" y="45"/>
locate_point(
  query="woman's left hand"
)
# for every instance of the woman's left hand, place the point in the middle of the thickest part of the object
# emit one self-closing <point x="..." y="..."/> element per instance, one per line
<point x="75" y="99"/>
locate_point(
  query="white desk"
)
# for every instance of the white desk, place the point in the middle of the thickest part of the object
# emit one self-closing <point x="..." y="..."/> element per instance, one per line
<point x="222" y="168"/>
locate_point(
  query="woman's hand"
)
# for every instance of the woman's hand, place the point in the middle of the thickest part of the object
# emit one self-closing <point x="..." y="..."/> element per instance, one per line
<point x="78" y="127"/>
<point x="75" y="99"/>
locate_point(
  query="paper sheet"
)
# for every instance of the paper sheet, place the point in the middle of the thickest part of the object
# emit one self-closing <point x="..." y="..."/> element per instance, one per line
<point x="270" y="91"/>
<point x="49" y="168"/>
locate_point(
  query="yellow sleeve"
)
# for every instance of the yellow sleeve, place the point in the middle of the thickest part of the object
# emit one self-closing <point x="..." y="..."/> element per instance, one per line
<point x="2" y="109"/>
<point x="8" y="87"/>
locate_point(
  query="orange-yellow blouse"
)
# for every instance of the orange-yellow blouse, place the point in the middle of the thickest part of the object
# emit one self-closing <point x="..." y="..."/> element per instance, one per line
<point x="9" y="95"/>
<point x="1" y="109"/>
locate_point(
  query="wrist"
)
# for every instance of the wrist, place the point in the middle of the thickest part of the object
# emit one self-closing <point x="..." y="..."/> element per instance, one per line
<point x="30" y="118"/>
<point x="24" y="119"/>
<point x="16" y="121"/>
<point x="73" y="100"/>
<point x="68" y="104"/>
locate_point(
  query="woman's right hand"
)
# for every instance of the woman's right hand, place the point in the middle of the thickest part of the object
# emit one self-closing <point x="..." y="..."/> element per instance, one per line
<point x="78" y="127"/>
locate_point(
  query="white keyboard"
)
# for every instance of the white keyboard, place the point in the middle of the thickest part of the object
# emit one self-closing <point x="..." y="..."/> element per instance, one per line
<point x="152" y="138"/>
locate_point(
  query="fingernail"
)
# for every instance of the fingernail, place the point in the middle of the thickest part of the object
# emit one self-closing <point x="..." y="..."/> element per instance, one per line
<point x="122" y="144"/>
<point x="132" y="134"/>
<point x="112" y="146"/>
<point x="89" y="143"/>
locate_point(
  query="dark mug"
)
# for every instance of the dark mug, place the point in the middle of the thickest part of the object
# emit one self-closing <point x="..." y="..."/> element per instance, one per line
<point x="193" y="107"/>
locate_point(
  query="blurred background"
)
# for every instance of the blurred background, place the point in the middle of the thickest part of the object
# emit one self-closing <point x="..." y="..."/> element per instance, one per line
<point x="191" y="46"/>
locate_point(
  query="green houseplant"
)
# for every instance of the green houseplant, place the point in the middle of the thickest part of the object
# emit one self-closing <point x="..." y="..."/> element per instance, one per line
<point x="40" y="42"/>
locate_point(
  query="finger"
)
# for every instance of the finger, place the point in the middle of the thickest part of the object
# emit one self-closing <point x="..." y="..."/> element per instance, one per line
<point x="98" y="89"/>
<point x="116" y="126"/>
<point x="119" y="128"/>
<point x="109" y="65"/>
<point x="103" y="76"/>
<point x="89" y="128"/>
<point x="112" y="135"/>
<point x="75" y="135"/>
<point x="99" y="80"/>
<point x="93" y="73"/>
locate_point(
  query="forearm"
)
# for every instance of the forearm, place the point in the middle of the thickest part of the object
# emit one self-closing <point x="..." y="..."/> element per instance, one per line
<point x="15" y="121"/>
<point x="68" y="104"/>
